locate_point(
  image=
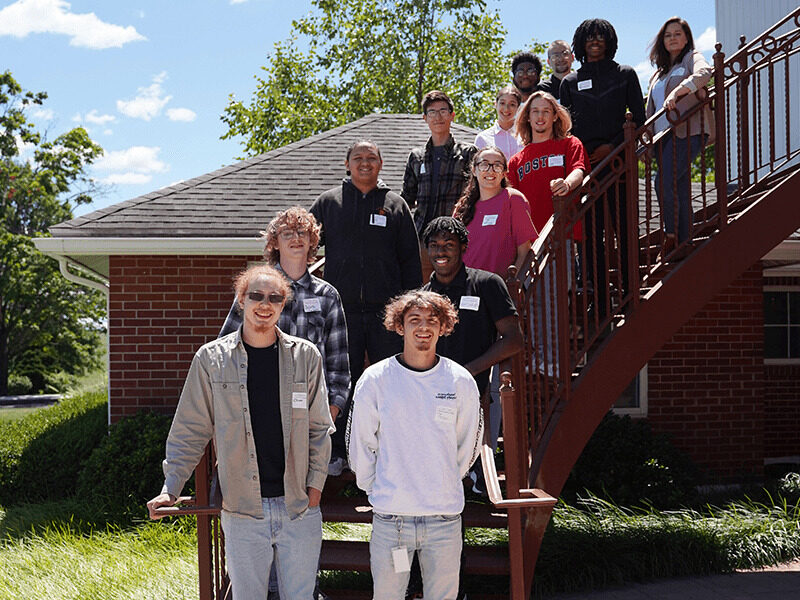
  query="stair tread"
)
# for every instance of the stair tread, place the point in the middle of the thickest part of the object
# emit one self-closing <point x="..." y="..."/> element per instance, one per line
<point x="341" y="555"/>
<point x="334" y="594"/>
<point x="358" y="510"/>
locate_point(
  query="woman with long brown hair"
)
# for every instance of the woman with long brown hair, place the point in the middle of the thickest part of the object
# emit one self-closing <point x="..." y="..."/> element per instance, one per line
<point x="680" y="72"/>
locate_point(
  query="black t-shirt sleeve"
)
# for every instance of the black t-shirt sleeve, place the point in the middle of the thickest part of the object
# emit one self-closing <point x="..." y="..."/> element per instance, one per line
<point x="498" y="300"/>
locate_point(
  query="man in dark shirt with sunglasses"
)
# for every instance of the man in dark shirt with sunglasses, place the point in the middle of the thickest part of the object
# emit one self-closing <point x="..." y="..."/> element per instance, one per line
<point x="259" y="395"/>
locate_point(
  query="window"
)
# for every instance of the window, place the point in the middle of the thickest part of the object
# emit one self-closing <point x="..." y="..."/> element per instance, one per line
<point x="781" y="324"/>
<point x="633" y="400"/>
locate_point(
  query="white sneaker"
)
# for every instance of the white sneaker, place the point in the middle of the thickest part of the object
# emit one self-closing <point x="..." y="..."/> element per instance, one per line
<point x="336" y="466"/>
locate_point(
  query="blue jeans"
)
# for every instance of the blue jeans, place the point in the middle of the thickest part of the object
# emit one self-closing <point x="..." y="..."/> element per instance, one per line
<point x="676" y="174"/>
<point x="544" y="306"/>
<point x="437" y="540"/>
<point x="251" y="545"/>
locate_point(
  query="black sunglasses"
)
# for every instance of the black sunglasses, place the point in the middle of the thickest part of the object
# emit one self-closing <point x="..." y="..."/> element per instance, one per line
<point x="273" y="298"/>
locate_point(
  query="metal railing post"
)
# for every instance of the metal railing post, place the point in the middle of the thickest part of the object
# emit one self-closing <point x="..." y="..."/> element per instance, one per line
<point x="720" y="136"/>
<point x="632" y="206"/>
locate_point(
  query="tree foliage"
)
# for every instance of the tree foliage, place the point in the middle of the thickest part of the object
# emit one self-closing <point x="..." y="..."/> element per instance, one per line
<point x="47" y="324"/>
<point x="369" y="56"/>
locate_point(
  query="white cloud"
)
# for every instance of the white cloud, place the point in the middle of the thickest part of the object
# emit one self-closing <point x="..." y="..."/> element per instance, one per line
<point x="644" y="70"/>
<point x="45" y="114"/>
<point x="705" y="43"/>
<point x="148" y="103"/>
<point x="25" y="149"/>
<point x="97" y="119"/>
<point x="238" y="1"/>
<point x="181" y="114"/>
<point x="136" y="159"/>
<point x="107" y="132"/>
<point x="128" y="178"/>
<point x="86" y="30"/>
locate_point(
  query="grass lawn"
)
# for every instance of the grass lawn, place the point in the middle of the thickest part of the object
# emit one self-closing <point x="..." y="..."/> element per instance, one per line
<point x="12" y="414"/>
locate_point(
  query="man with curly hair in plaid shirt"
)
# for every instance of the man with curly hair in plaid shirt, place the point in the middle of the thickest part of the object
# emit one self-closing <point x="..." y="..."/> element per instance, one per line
<point x="315" y="311"/>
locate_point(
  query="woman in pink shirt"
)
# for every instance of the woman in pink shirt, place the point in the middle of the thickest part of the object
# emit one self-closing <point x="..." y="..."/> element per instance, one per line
<point x="497" y="217"/>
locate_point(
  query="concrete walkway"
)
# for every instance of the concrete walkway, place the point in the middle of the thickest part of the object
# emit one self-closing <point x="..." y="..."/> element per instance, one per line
<point x="781" y="582"/>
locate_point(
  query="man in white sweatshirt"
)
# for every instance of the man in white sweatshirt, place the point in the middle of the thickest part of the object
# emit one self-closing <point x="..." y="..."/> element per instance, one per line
<point x="415" y="430"/>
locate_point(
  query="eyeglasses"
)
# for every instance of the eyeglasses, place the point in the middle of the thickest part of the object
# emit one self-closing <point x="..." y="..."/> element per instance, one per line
<point x="442" y="112"/>
<point x="526" y="71"/>
<point x="561" y="53"/>
<point x="484" y="166"/>
<point x="273" y="298"/>
<point x="288" y="234"/>
<point x="597" y="37"/>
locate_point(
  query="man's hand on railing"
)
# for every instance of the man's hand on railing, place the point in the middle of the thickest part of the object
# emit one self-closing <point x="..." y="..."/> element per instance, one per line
<point x="160" y="500"/>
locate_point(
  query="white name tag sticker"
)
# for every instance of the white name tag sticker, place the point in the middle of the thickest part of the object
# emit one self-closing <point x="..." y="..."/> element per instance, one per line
<point x="678" y="71"/>
<point x="378" y="220"/>
<point x="470" y="302"/>
<point x="445" y="414"/>
<point x="311" y="305"/>
<point x="585" y="85"/>
<point x="489" y="220"/>
<point x="400" y="559"/>
<point x="299" y="400"/>
<point x="555" y="160"/>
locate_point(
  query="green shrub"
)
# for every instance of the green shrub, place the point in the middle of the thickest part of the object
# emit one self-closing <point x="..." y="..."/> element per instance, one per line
<point x="627" y="463"/>
<point x="124" y="471"/>
<point x="41" y="453"/>
<point x="19" y="385"/>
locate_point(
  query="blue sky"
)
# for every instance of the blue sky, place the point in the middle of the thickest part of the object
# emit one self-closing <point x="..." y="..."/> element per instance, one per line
<point x="150" y="79"/>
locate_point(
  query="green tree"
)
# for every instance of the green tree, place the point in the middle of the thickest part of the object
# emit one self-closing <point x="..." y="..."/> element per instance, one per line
<point x="369" y="56"/>
<point x="47" y="324"/>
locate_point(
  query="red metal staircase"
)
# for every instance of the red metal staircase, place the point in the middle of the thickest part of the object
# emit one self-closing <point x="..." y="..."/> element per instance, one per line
<point x="577" y="361"/>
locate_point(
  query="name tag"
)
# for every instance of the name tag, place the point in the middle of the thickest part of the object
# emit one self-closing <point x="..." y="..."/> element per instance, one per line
<point x="555" y="160"/>
<point x="400" y="559"/>
<point x="311" y="305"/>
<point x="470" y="302"/>
<point x="378" y="220"/>
<point x="585" y="85"/>
<point x="489" y="220"/>
<point x="299" y="400"/>
<point x="678" y="71"/>
<point x="422" y="169"/>
<point x="445" y="414"/>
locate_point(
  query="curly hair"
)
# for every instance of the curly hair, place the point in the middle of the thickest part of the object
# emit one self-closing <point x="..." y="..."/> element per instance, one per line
<point x="242" y="281"/>
<point x="561" y="127"/>
<point x="589" y="28"/>
<point x="522" y="57"/>
<point x="464" y="210"/>
<point x="659" y="57"/>
<point x="439" y="305"/>
<point x="295" y="217"/>
<point x="442" y="225"/>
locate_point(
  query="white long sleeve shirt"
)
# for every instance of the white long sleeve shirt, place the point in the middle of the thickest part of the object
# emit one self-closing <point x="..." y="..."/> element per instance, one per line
<point x="414" y="435"/>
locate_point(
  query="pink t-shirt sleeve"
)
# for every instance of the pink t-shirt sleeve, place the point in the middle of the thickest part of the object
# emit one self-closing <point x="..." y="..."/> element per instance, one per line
<point x="512" y="171"/>
<point x="521" y="225"/>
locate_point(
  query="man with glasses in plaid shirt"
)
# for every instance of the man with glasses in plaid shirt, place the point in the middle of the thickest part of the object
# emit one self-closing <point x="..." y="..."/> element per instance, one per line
<point x="436" y="173"/>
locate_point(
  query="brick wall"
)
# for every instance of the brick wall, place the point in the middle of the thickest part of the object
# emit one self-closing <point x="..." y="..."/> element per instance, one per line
<point x="162" y="309"/>
<point x="706" y="386"/>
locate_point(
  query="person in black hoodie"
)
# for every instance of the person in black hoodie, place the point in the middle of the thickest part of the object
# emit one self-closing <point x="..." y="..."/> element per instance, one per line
<point x="371" y="255"/>
<point x="598" y="95"/>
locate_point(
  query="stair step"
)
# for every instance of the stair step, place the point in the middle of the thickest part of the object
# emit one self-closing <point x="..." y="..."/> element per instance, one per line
<point x="367" y="595"/>
<point x="358" y="510"/>
<point x="342" y="555"/>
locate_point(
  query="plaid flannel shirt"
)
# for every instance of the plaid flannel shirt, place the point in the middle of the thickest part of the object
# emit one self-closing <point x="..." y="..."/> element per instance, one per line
<point x="454" y="174"/>
<point x="326" y="328"/>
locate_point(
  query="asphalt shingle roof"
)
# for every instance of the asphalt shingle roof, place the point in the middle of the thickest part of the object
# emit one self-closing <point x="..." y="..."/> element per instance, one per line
<point x="240" y="199"/>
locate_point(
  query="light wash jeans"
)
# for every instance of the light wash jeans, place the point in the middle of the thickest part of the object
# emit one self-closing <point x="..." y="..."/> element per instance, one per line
<point x="437" y="540"/>
<point x="252" y="544"/>
<point x="544" y="307"/>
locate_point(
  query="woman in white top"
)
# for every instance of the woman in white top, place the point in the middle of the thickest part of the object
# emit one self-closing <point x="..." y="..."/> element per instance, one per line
<point x="502" y="134"/>
<point x="680" y="72"/>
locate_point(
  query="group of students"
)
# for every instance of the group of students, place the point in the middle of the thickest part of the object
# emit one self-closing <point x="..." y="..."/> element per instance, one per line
<point x="289" y="366"/>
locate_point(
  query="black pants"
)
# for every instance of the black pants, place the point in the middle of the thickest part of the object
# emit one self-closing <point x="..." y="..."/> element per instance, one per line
<point x="598" y="237"/>
<point x="365" y="335"/>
